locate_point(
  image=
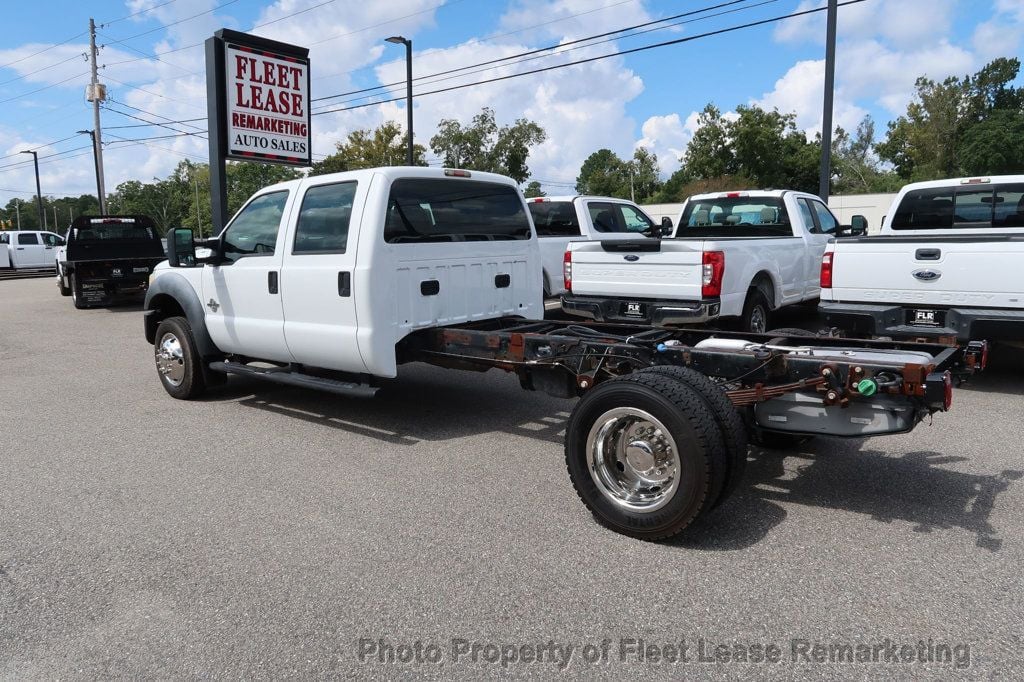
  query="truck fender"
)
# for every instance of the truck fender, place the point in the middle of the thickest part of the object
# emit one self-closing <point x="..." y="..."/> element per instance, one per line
<point x="169" y="295"/>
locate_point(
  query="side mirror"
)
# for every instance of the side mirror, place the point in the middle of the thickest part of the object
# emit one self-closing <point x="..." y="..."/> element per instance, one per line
<point x="858" y="225"/>
<point x="666" y="227"/>
<point x="181" y="248"/>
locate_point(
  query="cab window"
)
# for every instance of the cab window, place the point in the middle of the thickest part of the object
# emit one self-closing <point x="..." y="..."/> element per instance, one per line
<point x="254" y="230"/>
<point x="324" y="219"/>
<point x="30" y="238"/>
<point x="51" y="239"/>
<point x="634" y="220"/>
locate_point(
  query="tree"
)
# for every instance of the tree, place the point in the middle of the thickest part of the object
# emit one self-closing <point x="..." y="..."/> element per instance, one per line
<point x="763" y="146"/>
<point x="384" y="146"/>
<point x="604" y="174"/>
<point x="930" y="140"/>
<point x="244" y="179"/>
<point x="645" y="175"/>
<point x="855" y="166"/>
<point x="994" y="146"/>
<point x="482" y="145"/>
<point x="533" y="190"/>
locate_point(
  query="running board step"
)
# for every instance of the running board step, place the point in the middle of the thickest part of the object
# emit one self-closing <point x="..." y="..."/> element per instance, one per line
<point x="289" y="377"/>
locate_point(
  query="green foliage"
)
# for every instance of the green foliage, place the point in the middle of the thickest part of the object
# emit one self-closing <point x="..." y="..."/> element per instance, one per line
<point x="67" y="208"/>
<point x="533" y="190"/>
<point x="764" y="146"/>
<point x="679" y="187"/>
<point x="954" y="127"/>
<point x="604" y="173"/>
<point x="482" y="145"/>
<point x="856" y="169"/>
<point x="385" y="146"/>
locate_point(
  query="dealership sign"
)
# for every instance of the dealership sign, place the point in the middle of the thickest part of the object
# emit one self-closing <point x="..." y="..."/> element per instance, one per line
<point x="267" y="105"/>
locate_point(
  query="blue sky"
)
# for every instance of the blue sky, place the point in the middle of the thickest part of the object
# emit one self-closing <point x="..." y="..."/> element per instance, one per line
<point x="649" y="98"/>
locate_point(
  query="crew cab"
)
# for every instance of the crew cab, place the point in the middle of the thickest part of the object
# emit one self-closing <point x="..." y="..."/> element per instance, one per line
<point x="107" y="258"/>
<point x="946" y="265"/>
<point x="29" y="249"/>
<point x="332" y="282"/>
<point x="733" y="255"/>
<point x="562" y="220"/>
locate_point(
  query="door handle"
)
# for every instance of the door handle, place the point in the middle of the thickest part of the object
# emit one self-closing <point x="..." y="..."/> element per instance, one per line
<point x="20" y="248"/>
<point x="272" y="281"/>
<point x="344" y="284"/>
<point x="928" y="254"/>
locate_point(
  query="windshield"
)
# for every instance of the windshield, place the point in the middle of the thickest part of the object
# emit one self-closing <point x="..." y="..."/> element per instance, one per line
<point x="447" y="210"/>
<point x="964" y="207"/>
<point x="738" y="216"/>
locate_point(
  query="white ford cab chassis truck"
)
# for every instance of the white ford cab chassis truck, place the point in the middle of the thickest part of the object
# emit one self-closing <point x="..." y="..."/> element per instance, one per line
<point x="29" y="249"/>
<point x="947" y="265"/>
<point x="734" y="255"/>
<point x="333" y="282"/>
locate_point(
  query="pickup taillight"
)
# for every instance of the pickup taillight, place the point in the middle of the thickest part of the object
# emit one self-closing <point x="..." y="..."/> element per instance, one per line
<point x="712" y="273"/>
<point x="567" y="270"/>
<point x="826" y="269"/>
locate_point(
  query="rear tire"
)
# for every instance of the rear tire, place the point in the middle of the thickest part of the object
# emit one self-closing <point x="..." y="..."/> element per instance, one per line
<point x="64" y="289"/>
<point x="76" y="295"/>
<point x="645" y="455"/>
<point x="756" y="313"/>
<point x="178" y="363"/>
<point x="728" y="418"/>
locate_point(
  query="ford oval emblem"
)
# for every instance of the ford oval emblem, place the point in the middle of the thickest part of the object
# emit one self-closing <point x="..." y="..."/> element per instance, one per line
<point x="631" y="258"/>
<point x="927" y="275"/>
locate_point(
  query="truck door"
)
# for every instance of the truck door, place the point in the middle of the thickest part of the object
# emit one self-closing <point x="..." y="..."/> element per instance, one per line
<point x="822" y="227"/>
<point x="28" y="252"/>
<point x="242" y="295"/>
<point x="50" y="243"/>
<point x="317" y="278"/>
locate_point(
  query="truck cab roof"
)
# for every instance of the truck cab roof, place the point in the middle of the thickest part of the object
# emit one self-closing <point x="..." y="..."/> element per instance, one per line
<point x="391" y="173"/>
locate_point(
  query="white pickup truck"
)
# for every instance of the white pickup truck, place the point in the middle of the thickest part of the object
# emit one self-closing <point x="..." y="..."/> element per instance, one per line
<point x="563" y="220"/>
<point x="947" y="265"/>
<point x="29" y="249"/>
<point x="332" y="282"/>
<point x="736" y="255"/>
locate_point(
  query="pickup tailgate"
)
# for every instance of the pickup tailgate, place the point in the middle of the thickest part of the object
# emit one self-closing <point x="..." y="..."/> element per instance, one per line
<point x="646" y="268"/>
<point x="951" y="271"/>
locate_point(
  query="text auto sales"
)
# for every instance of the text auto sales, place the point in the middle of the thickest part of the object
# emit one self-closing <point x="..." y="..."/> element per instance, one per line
<point x="269" y="88"/>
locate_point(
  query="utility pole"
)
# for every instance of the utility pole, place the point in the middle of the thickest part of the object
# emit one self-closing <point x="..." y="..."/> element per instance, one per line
<point x="39" y="193"/>
<point x="199" y="222"/>
<point x="17" y="212"/>
<point x="54" y="217"/>
<point x="825" y="176"/>
<point x="96" y="93"/>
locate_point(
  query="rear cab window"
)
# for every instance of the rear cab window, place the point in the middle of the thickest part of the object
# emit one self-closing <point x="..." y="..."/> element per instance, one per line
<point x="738" y="216"/>
<point x="454" y="210"/>
<point x="111" y="229"/>
<point x="554" y="218"/>
<point x="969" y="206"/>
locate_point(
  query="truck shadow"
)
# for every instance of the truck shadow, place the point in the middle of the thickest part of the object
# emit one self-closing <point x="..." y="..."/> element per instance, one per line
<point x="842" y="475"/>
<point x="1004" y="374"/>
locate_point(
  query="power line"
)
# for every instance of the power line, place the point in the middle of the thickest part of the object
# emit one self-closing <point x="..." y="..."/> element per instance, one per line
<point x="154" y="123"/>
<point x="165" y="118"/>
<point x="537" y="50"/>
<point x="46" y="87"/>
<point x="141" y="11"/>
<point x="45" y="68"/>
<point x="642" y="48"/>
<point x="175" y="23"/>
<point x="433" y="78"/>
<point x="45" y="49"/>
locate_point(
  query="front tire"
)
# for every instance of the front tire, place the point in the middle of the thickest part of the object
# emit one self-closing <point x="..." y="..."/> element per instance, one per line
<point x="645" y="455"/>
<point x="177" y="361"/>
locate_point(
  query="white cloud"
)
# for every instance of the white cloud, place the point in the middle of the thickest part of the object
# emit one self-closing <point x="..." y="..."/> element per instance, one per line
<point x="667" y="136"/>
<point x="801" y="91"/>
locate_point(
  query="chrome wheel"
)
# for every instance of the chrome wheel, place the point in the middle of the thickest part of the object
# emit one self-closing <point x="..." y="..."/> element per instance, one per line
<point x="170" y="359"/>
<point x="633" y="459"/>
<point x="758" y="320"/>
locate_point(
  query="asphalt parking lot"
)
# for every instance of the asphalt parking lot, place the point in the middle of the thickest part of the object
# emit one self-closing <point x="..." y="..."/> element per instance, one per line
<point x="266" y="531"/>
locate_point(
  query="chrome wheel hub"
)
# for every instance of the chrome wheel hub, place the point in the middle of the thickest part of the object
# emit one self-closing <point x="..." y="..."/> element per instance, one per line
<point x="170" y="359"/>
<point x="758" y="320"/>
<point x="633" y="459"/>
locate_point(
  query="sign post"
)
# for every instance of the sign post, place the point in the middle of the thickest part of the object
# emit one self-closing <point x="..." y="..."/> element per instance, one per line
<point x="257" y="94"/>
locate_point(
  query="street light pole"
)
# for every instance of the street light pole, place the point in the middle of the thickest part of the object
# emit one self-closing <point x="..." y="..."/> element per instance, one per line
<point x="39" y="193"/>
<point x="399" y="40"/>
<point x="96" y="163"/>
